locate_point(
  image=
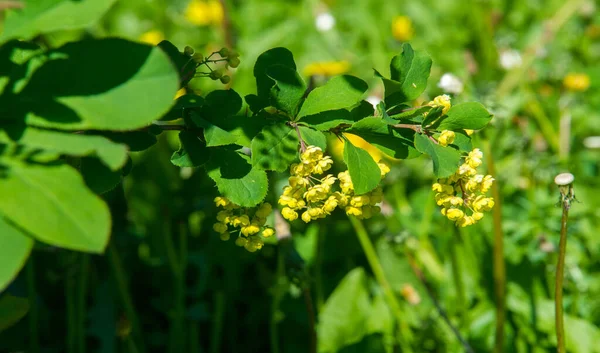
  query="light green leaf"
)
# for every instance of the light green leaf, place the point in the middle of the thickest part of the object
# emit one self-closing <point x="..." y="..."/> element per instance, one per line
<point x="471" y="115"/>
<point x="344" y="317"/>
<point x="313" y="137"/>
<point x="445" y="159"/>
<point x="12" y="309"/>
<point x="364" y="172"/>
<point x="52" y="203"/>
<point x="235" y="177"/>
<point x="275" y="147"/>
<point x="411" y="70"/>
<point x="340" y="92"/>
<point x="83" y="88"/>
<point x="192" y="151"/>
<point x="15" y="248"/>
<point x="289" y="88"/>
<point x="333" y="118"/>
<point x="42" y="16"/>
<point x="275" y="56"/>
<point x="113" y="154"/>
<point x="462" y="141"/>
<point x="394" y="143"/>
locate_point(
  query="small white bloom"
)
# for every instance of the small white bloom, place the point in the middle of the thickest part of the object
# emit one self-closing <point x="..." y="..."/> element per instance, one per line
<point x="592" y="142"/>
<point x="325" y="22"/>
<point x="374" y="100"/>
<point x="510" y="59"/>
<point x="564" y="179"/>
<point x="450" y="84"/>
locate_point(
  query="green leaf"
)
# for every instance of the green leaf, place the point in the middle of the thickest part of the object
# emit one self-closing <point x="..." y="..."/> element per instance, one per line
<point x="313" y="137"/>
<point x="135" y="140"/>
<point x="411" y="70"/>
<point x="445" y="159"/>
<point x="16" y="247"/>
<point x="12" y="309"/>
<point x="289" y="88"/>
<point x="275" y="56"/>
<point x="340" y="92"/>
<point x="470" y="115"/>
<point x="192" y="151"/>
<point x="364" y="172"/>
<point x="395" y="143"/>
<point x="182" y="104"/>
<point x="344" y="317"/>
<point x="462" y="141"/>
<point x="52" y="203"/>
<point x="220" y="104"/>
<point x="113" y="154"/>
<point x="330" y="119"/>
<point x="42" y="16"/>
<point x="84" y="88"/>
<point x="186" y="67"/>
<point x="235" y="177"/>
<point x="98" y="177"/>
<point x="213" y="134"/>
<point x="275" y="147"/>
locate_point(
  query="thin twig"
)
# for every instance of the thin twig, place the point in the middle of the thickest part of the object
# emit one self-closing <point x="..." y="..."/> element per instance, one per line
<point x="437" y="305"/>
<point x="416" y="128"/>
<point x="302" y="143"/>
<point x="6" y="5"/>
<point x="558" y="290"/>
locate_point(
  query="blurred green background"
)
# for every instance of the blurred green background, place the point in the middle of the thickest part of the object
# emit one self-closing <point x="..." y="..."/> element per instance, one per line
<point x="168" y="283"/>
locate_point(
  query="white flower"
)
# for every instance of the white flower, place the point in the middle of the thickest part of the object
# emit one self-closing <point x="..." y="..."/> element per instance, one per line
<point x="325" y="22"/>
<point x="592" y="142"/>
<point x="510" y="59"/>
<point x="374" y="100"/>
<point x="450" y="84"/>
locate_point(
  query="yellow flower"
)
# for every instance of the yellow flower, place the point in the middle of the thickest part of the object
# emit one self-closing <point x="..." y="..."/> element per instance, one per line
<point x="441" y="101"/>
<point x="204" y="13"/>
<point x="327" y="68"/>
<point x="454" y="214"/>
<point x="446" y="137"/>
<point x="224" y="236"/>
<point x="152" y="37"/>
<point x="220" y="227"/>
<point x="221" y="201"/>
<point x="576" y="82"/>
<point x="268" y="232"/>
<point x="250" y="229"/>
<point x="402" y="28"/>
<point x="289" y="214"/>
<point x="384" y="169"/>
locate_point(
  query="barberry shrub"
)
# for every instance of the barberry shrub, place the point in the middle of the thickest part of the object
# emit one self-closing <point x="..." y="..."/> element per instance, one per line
<point x="70" y="115"/>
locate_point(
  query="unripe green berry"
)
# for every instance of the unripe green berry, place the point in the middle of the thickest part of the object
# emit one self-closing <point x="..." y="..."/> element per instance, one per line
<point x="225" y="79"/>
<point x="188" y="51"/>
<point x="224" y="52"/>
<point x="233" y="62"/>
<point x="215" y="75"/>
<point x="198" y="57"/>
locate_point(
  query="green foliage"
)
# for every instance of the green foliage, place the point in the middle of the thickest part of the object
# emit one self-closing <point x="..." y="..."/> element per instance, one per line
<point x="12" y="309"/>
<point x="465" y="116"/>
<point x="445" y="159"/>
<point x="12" y="261"/>
<point x="363" y="170"/>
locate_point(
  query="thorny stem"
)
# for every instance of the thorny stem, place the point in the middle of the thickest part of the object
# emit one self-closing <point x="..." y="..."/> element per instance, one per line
<point x="302" y="143"/>
<point x="411" y="261"/>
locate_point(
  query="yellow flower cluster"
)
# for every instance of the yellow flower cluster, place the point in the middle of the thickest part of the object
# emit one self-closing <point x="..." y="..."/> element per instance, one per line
<point x="576" y="82"/>
<point x="446" y="137"/>
<point x="471" y="187"/>
<point x="250" y="221"/>
<point x="204" y="13"/>
<point x="402" y="28"/>
<point x="327" y="68"/>
<point x="314" y="196"/>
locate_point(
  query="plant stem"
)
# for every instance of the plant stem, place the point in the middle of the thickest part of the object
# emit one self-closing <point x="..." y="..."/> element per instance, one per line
<point x="498" y="255"/>
<point x="177" y="343"/>
<point x="437" y="305"/>
<point x="377" y="269"/>
<point x="71" y="312"/>
<point x="457" y="273"/>
<point x="127" y="301"/>
<point x="416" y="128"/>
<point x="215" y="342"/>
<point x="318" y="267"/>
<point x="311" y="320"/>
<point x="560" y="269"/>
<point x="34" y="340"/>
<point x="81" y="301"/>
<point x="276" y="301"/>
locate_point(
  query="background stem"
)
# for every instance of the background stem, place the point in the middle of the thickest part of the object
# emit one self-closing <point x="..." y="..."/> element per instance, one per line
<point x="377" y="269"/>
<point x="34" y="340"/>
<point x="560" y="270"/>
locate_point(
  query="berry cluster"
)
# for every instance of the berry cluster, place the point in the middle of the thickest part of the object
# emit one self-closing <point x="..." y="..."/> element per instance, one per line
<point x="249" y="221"/>
<point x="314" y="196"/>
<point x="470" y="186"/>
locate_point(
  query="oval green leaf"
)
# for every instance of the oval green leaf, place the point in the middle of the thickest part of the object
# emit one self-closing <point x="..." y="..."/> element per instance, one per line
<point x="275" y="147"/>
<point x="364" y="172"/>
<point x="471" y="115"/>
<point x="340" y="92"/>
<point x="445" y="159"/>
<point x="16" y="247"/>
